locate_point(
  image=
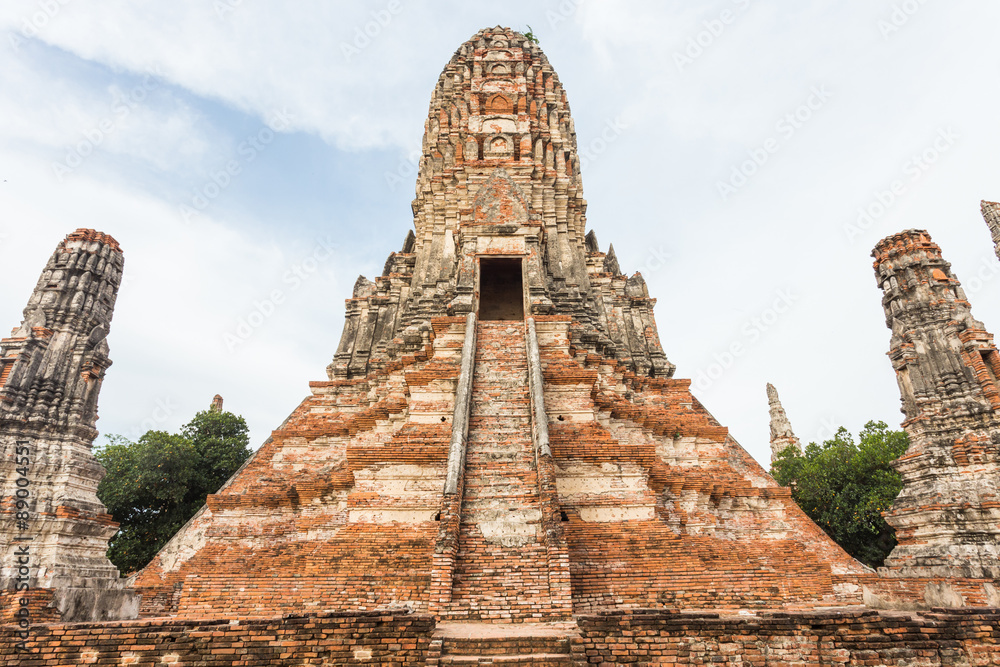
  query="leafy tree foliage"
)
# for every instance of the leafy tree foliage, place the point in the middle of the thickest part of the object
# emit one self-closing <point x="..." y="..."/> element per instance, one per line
<point x="155" y="484"/>
<point x="844" y="487"/>
<point x="222" y="439"/>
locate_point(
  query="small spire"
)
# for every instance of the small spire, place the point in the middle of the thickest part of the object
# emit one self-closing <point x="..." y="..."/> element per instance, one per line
<point x="216" y="404"/>
<point x="611" y="262"/>
<point x="781" y="429"/>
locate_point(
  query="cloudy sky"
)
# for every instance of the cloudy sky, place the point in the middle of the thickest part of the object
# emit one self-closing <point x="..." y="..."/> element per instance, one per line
<point x="253" y="157"/>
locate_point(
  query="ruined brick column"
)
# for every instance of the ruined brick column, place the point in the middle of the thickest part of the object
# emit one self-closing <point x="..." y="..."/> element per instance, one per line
<point x="781" y="429"/>
<point x="55" y="531"/>
<point x="947" y="517"/>
<point x="991" y="213"/>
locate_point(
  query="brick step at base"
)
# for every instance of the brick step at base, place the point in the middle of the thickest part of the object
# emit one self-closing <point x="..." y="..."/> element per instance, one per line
<point x="523" y="645"/>
<point x="536" y="659"/>
<point x="497" y="644"/>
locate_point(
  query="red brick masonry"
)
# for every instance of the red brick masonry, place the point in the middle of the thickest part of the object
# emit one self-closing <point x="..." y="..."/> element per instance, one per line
<point x="639" y="637"/>
<point x="656" y="637"/>
<point x="340" y="638"/>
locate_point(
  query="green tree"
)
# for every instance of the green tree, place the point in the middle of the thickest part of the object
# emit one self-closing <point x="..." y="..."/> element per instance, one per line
<point x="155" y="484"/>
<point x="844" y="487"/>
<point x="222" y="439"/>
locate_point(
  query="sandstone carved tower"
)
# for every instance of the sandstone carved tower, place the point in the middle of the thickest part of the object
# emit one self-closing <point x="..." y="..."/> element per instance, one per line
<point x="500" y="222"/>
<point x="947" y="517"/>
<point x="51" y="369"/>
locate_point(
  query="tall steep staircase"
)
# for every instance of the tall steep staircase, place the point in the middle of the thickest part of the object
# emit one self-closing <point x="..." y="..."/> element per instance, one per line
<point x="501" y="570"/>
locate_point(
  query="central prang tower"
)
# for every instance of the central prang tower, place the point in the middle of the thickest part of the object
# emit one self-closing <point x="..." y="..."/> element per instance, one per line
<point x="500" y="438"/>
<point x="500" y="222"/>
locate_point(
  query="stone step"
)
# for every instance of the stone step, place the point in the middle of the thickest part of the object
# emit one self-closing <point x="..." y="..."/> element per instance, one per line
<point x="504" y="447"/>
<point x="511" y="480"/>
<point x="511" y="461"/>
<point x="487" y="430"/>
<point x="507" y="474"/>
<point x="537" y="659"/>
<point x="482" y="451"/>
<point x="507" y="487"/>
<point x="485" y="445"/>
<point x="502" y="644"/>
<point x="484" y="509"/>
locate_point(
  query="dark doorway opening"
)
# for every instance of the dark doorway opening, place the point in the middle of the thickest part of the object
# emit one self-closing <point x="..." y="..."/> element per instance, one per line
<point x="501" y="289"/>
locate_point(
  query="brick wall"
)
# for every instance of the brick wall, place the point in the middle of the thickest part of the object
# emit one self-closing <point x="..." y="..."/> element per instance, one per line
<point x="397" y="638"/>
<point x="655" y="637"/>
<point x="31" y="606"/>
<point x="969" y="637"/>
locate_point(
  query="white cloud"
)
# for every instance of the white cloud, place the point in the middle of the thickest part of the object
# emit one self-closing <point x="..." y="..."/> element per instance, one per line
<point x="655" y="186"/>
<point x="258" y="58"/>
<point x="74" y="122"/>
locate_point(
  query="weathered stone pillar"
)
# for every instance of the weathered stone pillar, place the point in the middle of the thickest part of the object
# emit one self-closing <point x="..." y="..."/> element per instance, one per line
<point x="991" y="213"/>
<point x="55" y="531"/>
<point x="781" y="429"/>
<point x="947" y="517"/>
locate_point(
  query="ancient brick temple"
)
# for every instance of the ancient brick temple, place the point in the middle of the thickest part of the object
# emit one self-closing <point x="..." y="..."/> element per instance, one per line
<point x="500" y="437"/>
<point x="501" y="468"/>
<point x="55" y="530"/>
